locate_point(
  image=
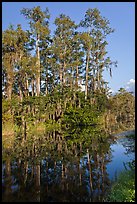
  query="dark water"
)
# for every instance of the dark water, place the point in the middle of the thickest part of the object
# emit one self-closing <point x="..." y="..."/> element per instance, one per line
<point x="74" y="166"/>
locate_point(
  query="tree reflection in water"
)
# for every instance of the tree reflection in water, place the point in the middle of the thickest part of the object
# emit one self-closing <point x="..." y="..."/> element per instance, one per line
<point x="58" y="166"/>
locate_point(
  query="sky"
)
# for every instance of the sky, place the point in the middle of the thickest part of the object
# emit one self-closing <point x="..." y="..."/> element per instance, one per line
<point x="121" y="43"/>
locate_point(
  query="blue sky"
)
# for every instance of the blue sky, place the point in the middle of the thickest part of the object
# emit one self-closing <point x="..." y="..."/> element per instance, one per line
<point x="121" y="45"/>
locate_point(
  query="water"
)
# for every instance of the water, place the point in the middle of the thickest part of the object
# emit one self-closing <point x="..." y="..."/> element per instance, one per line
<point x="120" y="156"/>
<point x="63" y="167"/>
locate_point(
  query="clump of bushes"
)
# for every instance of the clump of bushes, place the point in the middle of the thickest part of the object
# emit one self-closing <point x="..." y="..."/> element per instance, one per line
<point x="123" y="190"/>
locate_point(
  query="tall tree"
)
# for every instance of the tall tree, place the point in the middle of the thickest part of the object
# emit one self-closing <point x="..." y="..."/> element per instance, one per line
<point x="63" y="46"/>
<point x="8" y="57"/>
<point x="97" y="28"/>
<point x="87" y="43"/>
<point x="38" y="21"/>
<point x="13" y="45"/>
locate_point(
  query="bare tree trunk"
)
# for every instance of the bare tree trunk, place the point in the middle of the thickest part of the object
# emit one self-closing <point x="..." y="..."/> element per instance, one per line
<point x="60" y="74"/>
<point x="46" y="91"/>
<point x="94" y="81"/>
<point x="64" y="69"/>
<point x="77" y="74"/>
<point x="38" y="67"/>
<point x="20" y="94"/>
<point x="98" y="79"/>
<point x="86" y="82"/>
<point x="9" y="86"/>
<point x="27" y="85"/>
<point x="32" y="85"/>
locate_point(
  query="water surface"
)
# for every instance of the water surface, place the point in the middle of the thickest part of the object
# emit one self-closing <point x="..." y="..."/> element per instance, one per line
<point x="75" y="166"/>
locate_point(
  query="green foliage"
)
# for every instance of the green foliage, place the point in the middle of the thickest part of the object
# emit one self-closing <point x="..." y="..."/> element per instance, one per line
<point x="101" y="101"/>
<point x="123" y="190"/>
<point x="123" y="106"/>
<point x="6" y="113"/>
<point x="45" y="86"/>
<point x="87" y="115"/>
